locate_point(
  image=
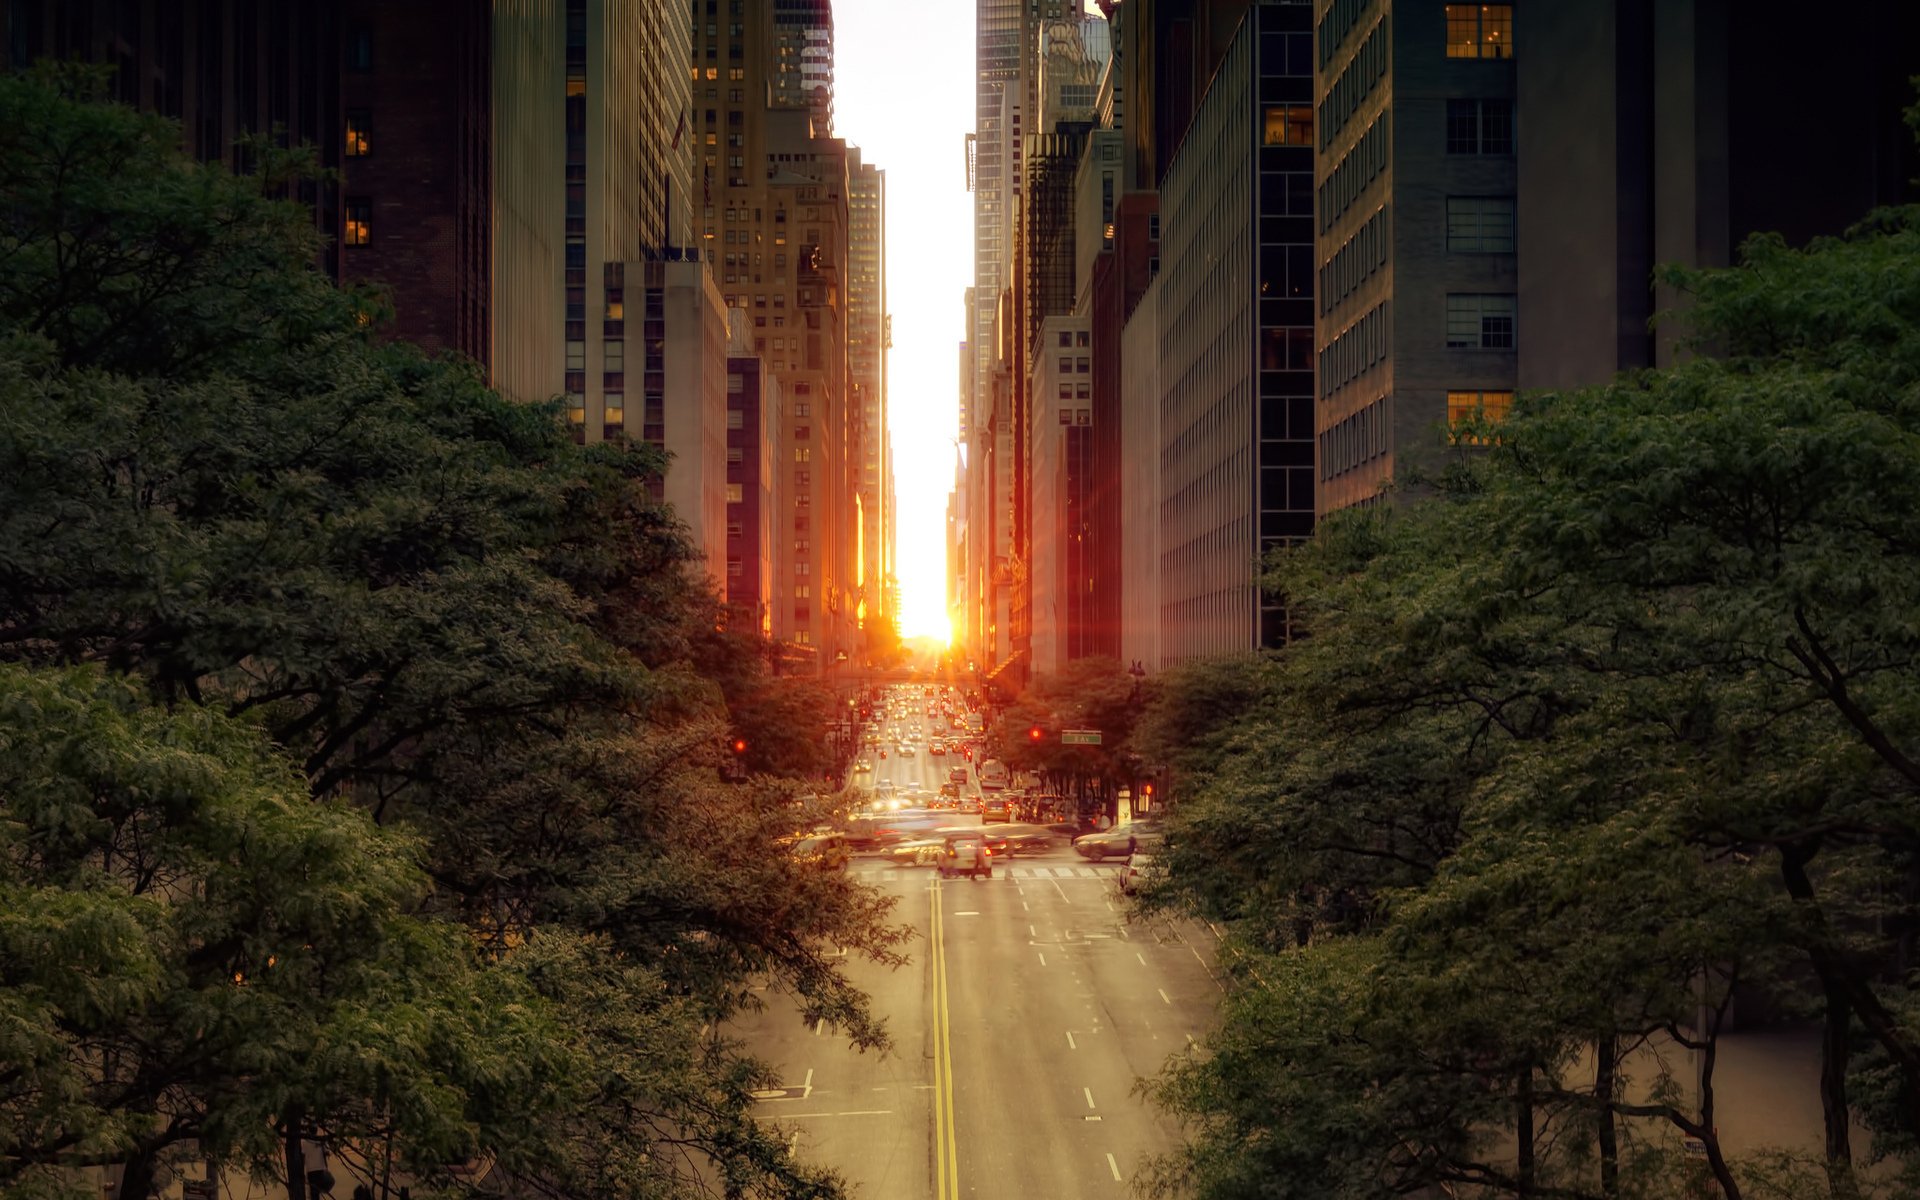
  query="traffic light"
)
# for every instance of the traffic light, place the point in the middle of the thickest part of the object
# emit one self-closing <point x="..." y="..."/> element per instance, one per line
<point x="739" y="745"/>
<point x="1034" y="734"/>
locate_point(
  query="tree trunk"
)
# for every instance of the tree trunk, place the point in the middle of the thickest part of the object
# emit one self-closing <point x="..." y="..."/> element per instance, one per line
<point x="1523" y="1132"/>
<point x="296" y="1156"/>
<point x="136" y="1177"/>
<point x="1606" y="1133"/>
<point x="1836" y="975"/>
<point x="1834" y="1050"/>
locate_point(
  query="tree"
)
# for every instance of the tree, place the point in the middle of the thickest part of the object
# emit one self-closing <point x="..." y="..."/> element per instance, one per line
<point x="1090" y="693"/>
<point x="219" y="486"/>
<point x="1618" y="726"/>
<point x="192" y="951"/>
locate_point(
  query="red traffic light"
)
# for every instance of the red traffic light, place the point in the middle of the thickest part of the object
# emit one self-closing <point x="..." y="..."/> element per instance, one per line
<point x="739" y="745"/>
<point x="1035" y="733"/>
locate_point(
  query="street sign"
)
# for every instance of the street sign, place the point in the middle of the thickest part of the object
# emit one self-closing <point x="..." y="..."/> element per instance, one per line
<point x="1079" y="737"/>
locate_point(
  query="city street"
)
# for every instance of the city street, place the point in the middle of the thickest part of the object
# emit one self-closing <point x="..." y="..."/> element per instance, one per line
<point x="1029" y="1010"/>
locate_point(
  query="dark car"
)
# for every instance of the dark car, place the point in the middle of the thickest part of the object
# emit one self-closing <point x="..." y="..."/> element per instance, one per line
<point x="1119" y="842"/>
<point x="1020" y="839"/>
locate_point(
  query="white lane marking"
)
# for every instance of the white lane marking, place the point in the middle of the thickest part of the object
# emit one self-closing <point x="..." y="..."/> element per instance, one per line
<point x="1030" y="932"/>
<point x="1163" y="994"/>
<point x="1061" y="890"/>
<point x="1043" y="958"/>
<point x="1190" y="1040"/>
<point x="793" y="1143"/>
<point x="974" y="913"/>
<point x="1088" y="1093"/>
<point x="1107" y="902"/>
<point x="806" y="1086"/>
<point x="1114" y="1167"/>
<point x="1141" y="957"/>
<point x="1071" y="1044"/>
<point x="1023" y="906"/>
<point x="820" y="1027"/>
<point x="859" y="1112"/>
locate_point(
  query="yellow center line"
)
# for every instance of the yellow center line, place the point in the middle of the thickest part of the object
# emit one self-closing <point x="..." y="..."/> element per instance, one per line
<point x="946" y="1147"/>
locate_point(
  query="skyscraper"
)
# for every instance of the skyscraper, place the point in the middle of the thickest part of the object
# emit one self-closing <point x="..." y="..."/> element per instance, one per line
<point x="866" y="368"/>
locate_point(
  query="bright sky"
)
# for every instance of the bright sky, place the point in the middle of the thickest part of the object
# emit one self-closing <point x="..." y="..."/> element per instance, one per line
<point x="903" y="93"/>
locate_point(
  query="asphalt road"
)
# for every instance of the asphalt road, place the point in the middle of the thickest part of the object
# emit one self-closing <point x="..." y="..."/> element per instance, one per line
<point x="1030" y="1009"/>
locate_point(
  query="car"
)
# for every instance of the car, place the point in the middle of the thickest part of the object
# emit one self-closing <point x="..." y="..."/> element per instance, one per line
<point x="1135" y="871"/>
<point x="1119" y="842"/>
<point x="917" y="852"/>
<point x="936" y="748"/>
<point x="1019" y="838"/>
<point x="863" y="765"/>
<point x="827" y="851"/>
<point x="968" y="856"/>
<point x="995" y="809"/>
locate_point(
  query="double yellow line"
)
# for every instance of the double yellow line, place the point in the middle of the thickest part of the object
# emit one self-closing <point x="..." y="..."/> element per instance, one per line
<point x="946" y="1148"/>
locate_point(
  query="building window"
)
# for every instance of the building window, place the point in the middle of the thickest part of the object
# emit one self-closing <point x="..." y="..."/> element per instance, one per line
<point x="1468" y="408"/>
<point x="1289" y="125"/>
<point x="616" y="356"/>
<point x="736" y="419"/>
<point x="734" y="567"/>
<point x="802" y="432"/>
<point x="736" y="493"/>
<point x="1479" y="127"/>
<point x="1479" y="31"/>
<point x="616" y="408"/>
<point x="1480" y="224"/>
<point x="359" y="222"/>
<point x="803" y="409"/>
<point x="360" y="50"/>
<point x="1478" y="321"/>
<point x="736" y="456"/>
<point x="359" y="132"/>
<point x="802" y="454"/>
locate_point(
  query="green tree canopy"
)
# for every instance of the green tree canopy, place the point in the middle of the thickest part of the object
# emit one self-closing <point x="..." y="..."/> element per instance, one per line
<point x="1618" y="728"/>
<point x="218" y="484"/>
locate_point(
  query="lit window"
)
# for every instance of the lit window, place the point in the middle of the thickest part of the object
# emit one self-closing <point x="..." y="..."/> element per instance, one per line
<point x="359" y="222"/>
<point x="736" y="493"/>
<point x="577" y="409"/>
<point x="1479" y="31"/>
<point x="359" y="132"/>
<point x="1477" y="321"/>
<point x="802" y="454"/>
<point x="1465" y="409"/>
<point x="1289" y="125"/>
<point x="713" y="73"/>
<point x="1480" y="224"/>
<point x="616" y="408"/>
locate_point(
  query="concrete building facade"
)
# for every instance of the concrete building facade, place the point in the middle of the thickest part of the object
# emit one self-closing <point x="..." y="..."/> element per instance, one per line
<point x="1497" y="183"/>
<point x="1236" y="327"/>
<point x="867" y="337"/>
